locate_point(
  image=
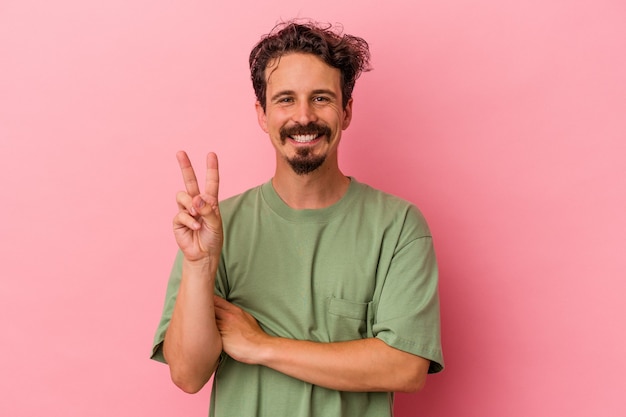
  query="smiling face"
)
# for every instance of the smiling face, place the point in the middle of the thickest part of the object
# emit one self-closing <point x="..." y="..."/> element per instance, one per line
<point x="303" y="115"/>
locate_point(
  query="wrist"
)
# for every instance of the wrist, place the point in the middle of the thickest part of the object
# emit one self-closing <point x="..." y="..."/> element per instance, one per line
<point x="267" y="349"/>
<point x="202" y="266"/>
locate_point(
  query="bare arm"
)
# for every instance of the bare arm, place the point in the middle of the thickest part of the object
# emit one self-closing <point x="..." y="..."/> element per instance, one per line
<point x="193" y="343"/>
<point x="358" y="365"/>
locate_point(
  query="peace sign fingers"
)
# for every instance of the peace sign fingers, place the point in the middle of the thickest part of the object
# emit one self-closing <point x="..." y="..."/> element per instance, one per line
<point x="198" y="224"/>
<point x="212" y="181"/>
<point x="189" y="176"/>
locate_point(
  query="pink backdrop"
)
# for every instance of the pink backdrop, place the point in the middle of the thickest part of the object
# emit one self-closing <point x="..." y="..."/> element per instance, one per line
<point x="504" y="121"/>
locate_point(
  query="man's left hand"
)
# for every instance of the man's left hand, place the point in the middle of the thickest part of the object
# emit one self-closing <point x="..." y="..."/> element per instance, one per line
<point x="241" y="334"/>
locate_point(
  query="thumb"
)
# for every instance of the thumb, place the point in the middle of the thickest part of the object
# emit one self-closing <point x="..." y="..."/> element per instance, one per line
<point x="207" y="207"/>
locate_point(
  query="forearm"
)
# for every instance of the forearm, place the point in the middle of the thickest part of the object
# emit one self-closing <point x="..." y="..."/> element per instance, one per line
<point x="192" y="343"/>
<point x="359" y="365"/>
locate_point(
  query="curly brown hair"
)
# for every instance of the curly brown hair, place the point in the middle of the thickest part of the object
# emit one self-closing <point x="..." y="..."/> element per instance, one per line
<point x="349" y="54"/>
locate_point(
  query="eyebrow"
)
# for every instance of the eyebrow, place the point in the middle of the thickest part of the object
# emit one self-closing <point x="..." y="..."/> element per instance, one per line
<point x="282" y="93"/>
<point x="324" y="91"/>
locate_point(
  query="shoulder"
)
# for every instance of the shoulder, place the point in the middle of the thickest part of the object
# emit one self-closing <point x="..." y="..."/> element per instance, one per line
<point x="245" y="201"/>
<point x="389" y="208"/>
<point x="241" y="198"/>
<point x="375" y="196"/>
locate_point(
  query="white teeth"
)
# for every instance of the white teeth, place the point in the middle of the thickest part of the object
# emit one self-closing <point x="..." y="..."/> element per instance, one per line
<point x="303" y="138"/>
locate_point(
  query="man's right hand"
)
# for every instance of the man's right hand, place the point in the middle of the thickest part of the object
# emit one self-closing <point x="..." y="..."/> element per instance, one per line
<point x="193" y="344"/>
<point x="198" y="224"/>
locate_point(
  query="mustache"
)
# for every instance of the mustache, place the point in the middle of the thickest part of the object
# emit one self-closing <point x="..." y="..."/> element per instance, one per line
<point x="310" y="128"/>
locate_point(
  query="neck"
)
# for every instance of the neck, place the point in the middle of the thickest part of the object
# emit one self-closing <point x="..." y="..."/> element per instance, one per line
<point x="319" y="189"/>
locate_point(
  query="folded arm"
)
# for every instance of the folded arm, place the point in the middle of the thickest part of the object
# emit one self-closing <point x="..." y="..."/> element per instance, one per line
<point x="358" y="365"/>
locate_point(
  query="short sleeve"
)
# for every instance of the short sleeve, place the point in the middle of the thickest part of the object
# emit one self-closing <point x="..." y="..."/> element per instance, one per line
<point x="407" y="315"/>
<point x="168" y="308"/>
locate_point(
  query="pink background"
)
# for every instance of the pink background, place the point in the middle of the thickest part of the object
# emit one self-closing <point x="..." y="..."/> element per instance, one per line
<point x="505" y="121"/>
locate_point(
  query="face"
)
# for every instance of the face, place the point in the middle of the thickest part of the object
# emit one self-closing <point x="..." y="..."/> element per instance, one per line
<point x="304" y="116"/>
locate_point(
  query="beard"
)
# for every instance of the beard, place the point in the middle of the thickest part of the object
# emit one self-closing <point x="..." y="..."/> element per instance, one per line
<point x="305" y="162"/>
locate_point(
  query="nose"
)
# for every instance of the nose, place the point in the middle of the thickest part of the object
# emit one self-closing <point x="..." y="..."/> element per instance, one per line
<point x="304" y="113"/>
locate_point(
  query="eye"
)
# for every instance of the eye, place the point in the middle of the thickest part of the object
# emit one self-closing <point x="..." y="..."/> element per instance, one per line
<point x="320" y="99"/>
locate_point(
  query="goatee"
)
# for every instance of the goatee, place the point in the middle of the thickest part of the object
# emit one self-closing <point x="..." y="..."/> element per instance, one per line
<point x="305" y="162"/>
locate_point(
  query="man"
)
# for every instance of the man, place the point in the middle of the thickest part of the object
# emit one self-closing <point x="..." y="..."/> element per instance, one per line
<point x="312" y="294"/>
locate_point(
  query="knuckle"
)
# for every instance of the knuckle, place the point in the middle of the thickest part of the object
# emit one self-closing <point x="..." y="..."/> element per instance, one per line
<point x="181" y="196"/>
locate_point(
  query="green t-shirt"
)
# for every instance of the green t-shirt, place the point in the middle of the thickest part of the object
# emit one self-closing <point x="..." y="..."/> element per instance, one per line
<point x="363" y="267"/>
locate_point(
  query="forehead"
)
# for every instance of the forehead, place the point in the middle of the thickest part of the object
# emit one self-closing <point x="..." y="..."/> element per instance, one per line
<point x="297" y="71"/>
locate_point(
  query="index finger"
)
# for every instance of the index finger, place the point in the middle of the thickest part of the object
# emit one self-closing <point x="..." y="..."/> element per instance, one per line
<point x="212" y="181"/>
<point x="189" y="176"/>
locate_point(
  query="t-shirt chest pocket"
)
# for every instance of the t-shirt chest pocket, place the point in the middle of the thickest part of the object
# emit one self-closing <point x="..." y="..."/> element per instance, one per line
<point x="349" y="320"/>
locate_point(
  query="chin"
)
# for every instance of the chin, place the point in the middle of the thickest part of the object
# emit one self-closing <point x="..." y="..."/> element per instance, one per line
<point x="304" y="166"/>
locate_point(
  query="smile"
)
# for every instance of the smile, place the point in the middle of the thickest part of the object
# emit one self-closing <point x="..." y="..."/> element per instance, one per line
<point x="305" y="134"/>
<point x="304" y="138"/>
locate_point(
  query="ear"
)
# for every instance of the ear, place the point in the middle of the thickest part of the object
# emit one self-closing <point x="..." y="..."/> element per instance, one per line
<point x="261" y="117"/>
<point x="347" y="115"/>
